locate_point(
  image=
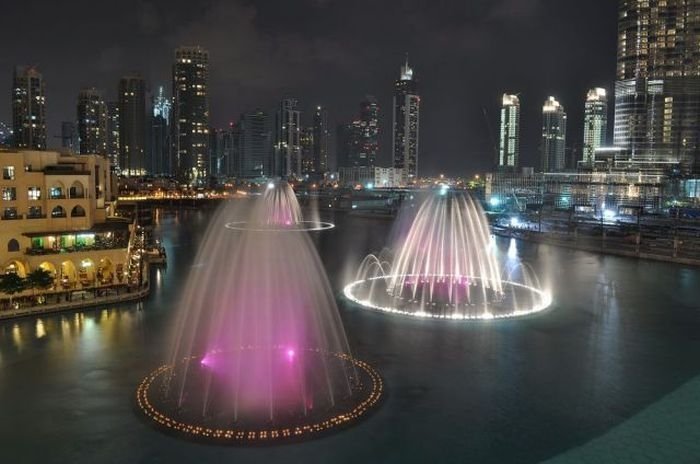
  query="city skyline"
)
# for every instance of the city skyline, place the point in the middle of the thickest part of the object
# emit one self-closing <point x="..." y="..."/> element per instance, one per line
<point x="453" y="130"/>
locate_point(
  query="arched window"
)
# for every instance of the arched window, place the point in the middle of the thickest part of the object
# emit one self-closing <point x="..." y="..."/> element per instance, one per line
<point x="12" y="246"/>
<point x="77" y="211"/>
<point x="58" y="212"/>
<point x="77" y="190"/>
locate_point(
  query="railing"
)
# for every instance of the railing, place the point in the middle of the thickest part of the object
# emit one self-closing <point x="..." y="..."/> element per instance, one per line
<point x="77" y="249"/>
<point x="36" y="216"/>
<point x="12" y="218"/>
<point x="57" y="197"/>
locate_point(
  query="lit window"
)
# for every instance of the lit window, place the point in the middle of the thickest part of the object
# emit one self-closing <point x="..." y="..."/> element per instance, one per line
<point x="34" y="193"/>
<point x="8" y="173"/>
<point x="9" y="193"/>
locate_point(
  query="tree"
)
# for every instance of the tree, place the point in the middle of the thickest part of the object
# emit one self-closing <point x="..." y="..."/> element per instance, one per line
<point x="10" y="284"/>
<point x="40" y="279"/>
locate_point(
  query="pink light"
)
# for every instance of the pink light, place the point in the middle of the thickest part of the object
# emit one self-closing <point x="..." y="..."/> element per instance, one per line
<point x="290" y="354"/>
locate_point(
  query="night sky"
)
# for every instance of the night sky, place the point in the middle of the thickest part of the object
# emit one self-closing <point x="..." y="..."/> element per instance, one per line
<point x="465" y="54"/>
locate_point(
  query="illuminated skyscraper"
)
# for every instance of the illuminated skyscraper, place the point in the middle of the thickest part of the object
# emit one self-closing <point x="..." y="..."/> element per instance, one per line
<point x="657" y="93"/>
<point x="287" y="139"/>
<point x="369" y="132"/>
<point x="113" y="135"/>
<point x="132" y="125"/>
<point x="255" y="145"/>
<point x="321" y="136"/>
<point x="92" y="122"/>
<point x="306" y="142"/>
<point x="406" y="119"/>
<point x="29" y="108"/>
<point x="160" y="147"/>
<point x="509" y="148"/>
<point x="553" y="136"/>
<point x="595" y="126"/>
<point x="191" y="113"/>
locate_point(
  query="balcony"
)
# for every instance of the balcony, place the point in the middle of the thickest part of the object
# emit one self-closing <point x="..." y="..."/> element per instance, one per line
<point x="12" y="217"/>
<point x="36" y="216"/>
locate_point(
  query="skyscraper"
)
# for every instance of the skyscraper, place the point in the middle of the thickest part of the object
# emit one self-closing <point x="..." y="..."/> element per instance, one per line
<point x="160" y="146"/>
<point x="191" y="113"/>
<point x="69" y="136"/>
<point x="321" y="137"/>
<point x="255" y="144"/>
<point x="306" y="142"/>
<point x="287" y="139"/>
<point x="132" y="125"/>
<point x="348" y="145"/>
<point x="657" y="93"/>
<point x="29" y="108"/>
<point x="113" y="135"/>
<point x="595" y="126"/>
<point x="369" y="131"/>
<point x="553" y="136"/>
<point x="92" y="122"/>
<point x="509" y="148"/>
<point x="406" y="123"/>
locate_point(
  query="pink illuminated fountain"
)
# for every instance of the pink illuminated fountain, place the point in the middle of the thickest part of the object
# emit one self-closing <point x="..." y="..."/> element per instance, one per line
<point x="446" y="267"/>
<point x="279" y="211"/>
<point x="260" y="354"/>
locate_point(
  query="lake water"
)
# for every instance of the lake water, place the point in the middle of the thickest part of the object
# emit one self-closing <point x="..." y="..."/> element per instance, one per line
<point x="622" y="334"/>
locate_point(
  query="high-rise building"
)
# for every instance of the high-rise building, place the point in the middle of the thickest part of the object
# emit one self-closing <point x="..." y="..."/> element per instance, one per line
<point x="132" y="125"/>
<point x="595" y="125"/>
<point x="349" y="143"/>
<point x="657" y="93"/>
<point x="5" y="135"/>
<point x="369" y="132"/>
<point x="306" y="142"/>
<point x="553" y="136"/>
<point x="92" y="122"/>
<point x="223" y="159"/>
<point x="287" y="139"/>
<point x="113" y="135"/>
<point x="509" y="148"/>
<point x="69" y="136"/>
<point x="29" y="108"/>
<point x="160" y="147"/>
<point x="255" y="145"/>
<point x="191" y="113"/>
<point x="321" y="137"/>
<point x="406" y="123"/>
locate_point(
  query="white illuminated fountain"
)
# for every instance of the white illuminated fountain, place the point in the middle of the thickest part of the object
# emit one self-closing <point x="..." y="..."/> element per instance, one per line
<point x="446" y="267"/>
<point x="260" y="355"/>
<point x="279" y="211"/>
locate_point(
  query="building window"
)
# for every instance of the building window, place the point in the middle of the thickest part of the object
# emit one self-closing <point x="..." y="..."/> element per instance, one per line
<point x="10" y="213"/>
<point x="34" y="193"/>
<point x="34" y="212"/>
<point x="12" y="246"/>
<point x="77" y="211"/>
<point x="58" y="212"/>
<point x="56" y="193"/>
<point x="8" y="173"/>
<point x="9" y="193"/>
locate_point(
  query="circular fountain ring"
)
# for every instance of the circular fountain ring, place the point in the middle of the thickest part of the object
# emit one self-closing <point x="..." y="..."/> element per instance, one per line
<point x="368" y="398"/>
<point x="302" y="226"/>
<point x="544" y="297"/>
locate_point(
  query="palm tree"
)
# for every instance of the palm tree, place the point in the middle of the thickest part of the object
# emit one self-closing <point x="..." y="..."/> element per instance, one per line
<point x="10" y="284"/>
<point x="39" y="279"/>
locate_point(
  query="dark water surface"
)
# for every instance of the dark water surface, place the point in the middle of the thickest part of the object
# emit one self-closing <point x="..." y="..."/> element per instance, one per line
<point x="622" y="334"/>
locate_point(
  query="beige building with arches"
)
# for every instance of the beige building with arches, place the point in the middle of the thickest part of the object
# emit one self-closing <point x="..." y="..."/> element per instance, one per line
<point x="55" y="214"/>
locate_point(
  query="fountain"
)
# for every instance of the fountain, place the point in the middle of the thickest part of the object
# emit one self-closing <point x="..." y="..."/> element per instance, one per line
<point x="445" y="267"/>
<point x="279" y="211"/>
<point x="260" y="355"/>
